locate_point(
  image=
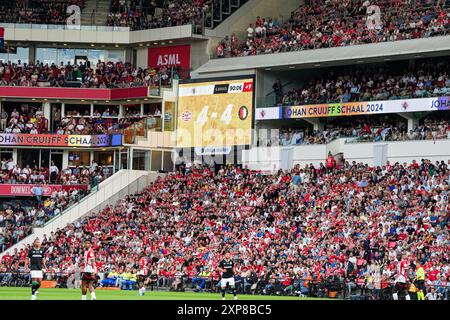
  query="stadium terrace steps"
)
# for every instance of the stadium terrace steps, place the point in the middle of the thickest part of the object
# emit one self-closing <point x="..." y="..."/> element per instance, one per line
<point x="95" y="12"/>
<point x="116" y="187"/>
<point x="239" y="21"/>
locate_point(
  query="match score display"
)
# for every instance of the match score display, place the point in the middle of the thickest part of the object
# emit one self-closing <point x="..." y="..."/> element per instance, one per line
<point x="215" y="114"/>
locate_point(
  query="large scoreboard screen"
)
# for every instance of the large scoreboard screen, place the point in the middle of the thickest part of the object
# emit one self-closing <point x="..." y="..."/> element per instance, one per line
<point x="215" y="114"/>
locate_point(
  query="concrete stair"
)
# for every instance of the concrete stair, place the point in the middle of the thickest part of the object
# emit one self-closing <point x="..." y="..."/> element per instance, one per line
<point x="95" y="12"/>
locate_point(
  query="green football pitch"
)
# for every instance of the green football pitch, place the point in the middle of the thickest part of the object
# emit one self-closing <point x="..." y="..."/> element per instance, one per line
<point x="7" y="293"/>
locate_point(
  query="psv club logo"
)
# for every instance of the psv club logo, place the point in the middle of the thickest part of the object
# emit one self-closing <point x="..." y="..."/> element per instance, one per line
<point x="186" y="116"/>
<point x="243" y="113"/>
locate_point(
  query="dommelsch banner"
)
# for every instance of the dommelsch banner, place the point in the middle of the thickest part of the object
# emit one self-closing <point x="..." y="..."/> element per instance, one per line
<point x="172" y="56"/>
<point x="26" y="190"/>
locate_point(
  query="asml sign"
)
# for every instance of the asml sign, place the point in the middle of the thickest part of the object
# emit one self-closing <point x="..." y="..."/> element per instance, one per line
<point x="172" y="56"/>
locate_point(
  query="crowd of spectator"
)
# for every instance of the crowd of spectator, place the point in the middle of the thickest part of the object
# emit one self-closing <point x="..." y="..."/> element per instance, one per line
<point x="141" y="16"/>
<point x="85" y="75"/>
<point x="363" y="130"/>
<point x="24" y="120"/>
<point x="16" y="222"/>
<point x="12" y="173"/>
<point x="350" y="221"/>
<point x="426" y="78"/>
<point x="36" y="11"/>
<point x="336" y="23"/>
<point x="93" y="125"/>
<point x="31" y="120"/>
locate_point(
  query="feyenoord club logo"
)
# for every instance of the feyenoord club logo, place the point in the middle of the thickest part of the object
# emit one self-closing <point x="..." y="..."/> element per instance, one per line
<point x="243" y="113"/>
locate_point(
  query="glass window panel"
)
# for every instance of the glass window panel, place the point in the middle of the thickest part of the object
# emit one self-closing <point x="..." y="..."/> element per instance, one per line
<point x="21" y="54"/>
<point x="65" y="56"/>
<point x="156" y="160"/>
<point x="115" y="55"/>
<point x="81" y="52"/>
<point x="46" y="55"/>
<point x="168" y="162"/>
<point x="95" y="55"/>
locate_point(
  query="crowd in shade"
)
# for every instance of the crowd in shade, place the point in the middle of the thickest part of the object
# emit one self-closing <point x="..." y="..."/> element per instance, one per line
<point x="365" y="129"/>
<point x="12" y="173"/>
<point x="426" y="78"/>
<point x="37" y="11"/>
<point x="93" y="125"/>
<point x="30" y="120"/>
<point x="363" y="225"/>
<point x="16" y="222"/>
<point x="24" y="120"/>
<point x="336" y="23"/>
<point x="141" y="16"/>
<point x="85" y="75"/>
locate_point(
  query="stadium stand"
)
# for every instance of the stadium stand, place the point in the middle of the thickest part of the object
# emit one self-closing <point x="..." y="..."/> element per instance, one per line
<point x="29" y="120"/>
<point x="175" y="13"/>
<point x="342" y="227"/>
<point x="88" y="75"/>
<point x="365" y="129"/>
<point x="36" y="11"/>
<point x="140" y="15"/>
<point x="334" y="23"/>
<point x="16" y="222"/>
<point x="426" y="78"/>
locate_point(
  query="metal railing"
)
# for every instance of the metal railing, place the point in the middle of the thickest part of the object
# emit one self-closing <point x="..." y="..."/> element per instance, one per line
<point x="63" y="27"/>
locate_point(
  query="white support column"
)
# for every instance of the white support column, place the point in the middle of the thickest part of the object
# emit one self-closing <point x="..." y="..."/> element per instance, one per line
<point x="121" y="110"/>
<point x="63" y="110"/>
<point x="316" y="123"/>
<point x="14" y="155"/>
<point x="412" y="121"/>
<point x="92" y="110"/>
<point x="163" y="112"/>
<point x="47" y="110"/>
<point x="130" y="160"/>
<point x="142" y="109"/>
<point x="114" y="162"/>
<point x="65" y="159"/>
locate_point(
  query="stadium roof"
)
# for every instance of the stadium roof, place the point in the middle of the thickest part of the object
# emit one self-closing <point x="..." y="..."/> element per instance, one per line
<point x="377" y="52"/>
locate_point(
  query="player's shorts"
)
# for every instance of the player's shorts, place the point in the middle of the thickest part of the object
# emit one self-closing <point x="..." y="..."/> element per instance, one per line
<point x="153" y="280"/>
<point x="87" y="276"/>
<point x="400" y="286"/>
<point x="225" y="281"/>
<point x="420" y="284"/>
<point x="36" y="274"/>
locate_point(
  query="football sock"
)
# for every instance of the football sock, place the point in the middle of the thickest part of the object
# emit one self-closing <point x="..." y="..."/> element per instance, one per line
<point x="34" y="287"/>
<point x="234" y="291"/>
<point x="93" y="297"/>
<point x="83" y="297"/>
<point x="223" y="293"/>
